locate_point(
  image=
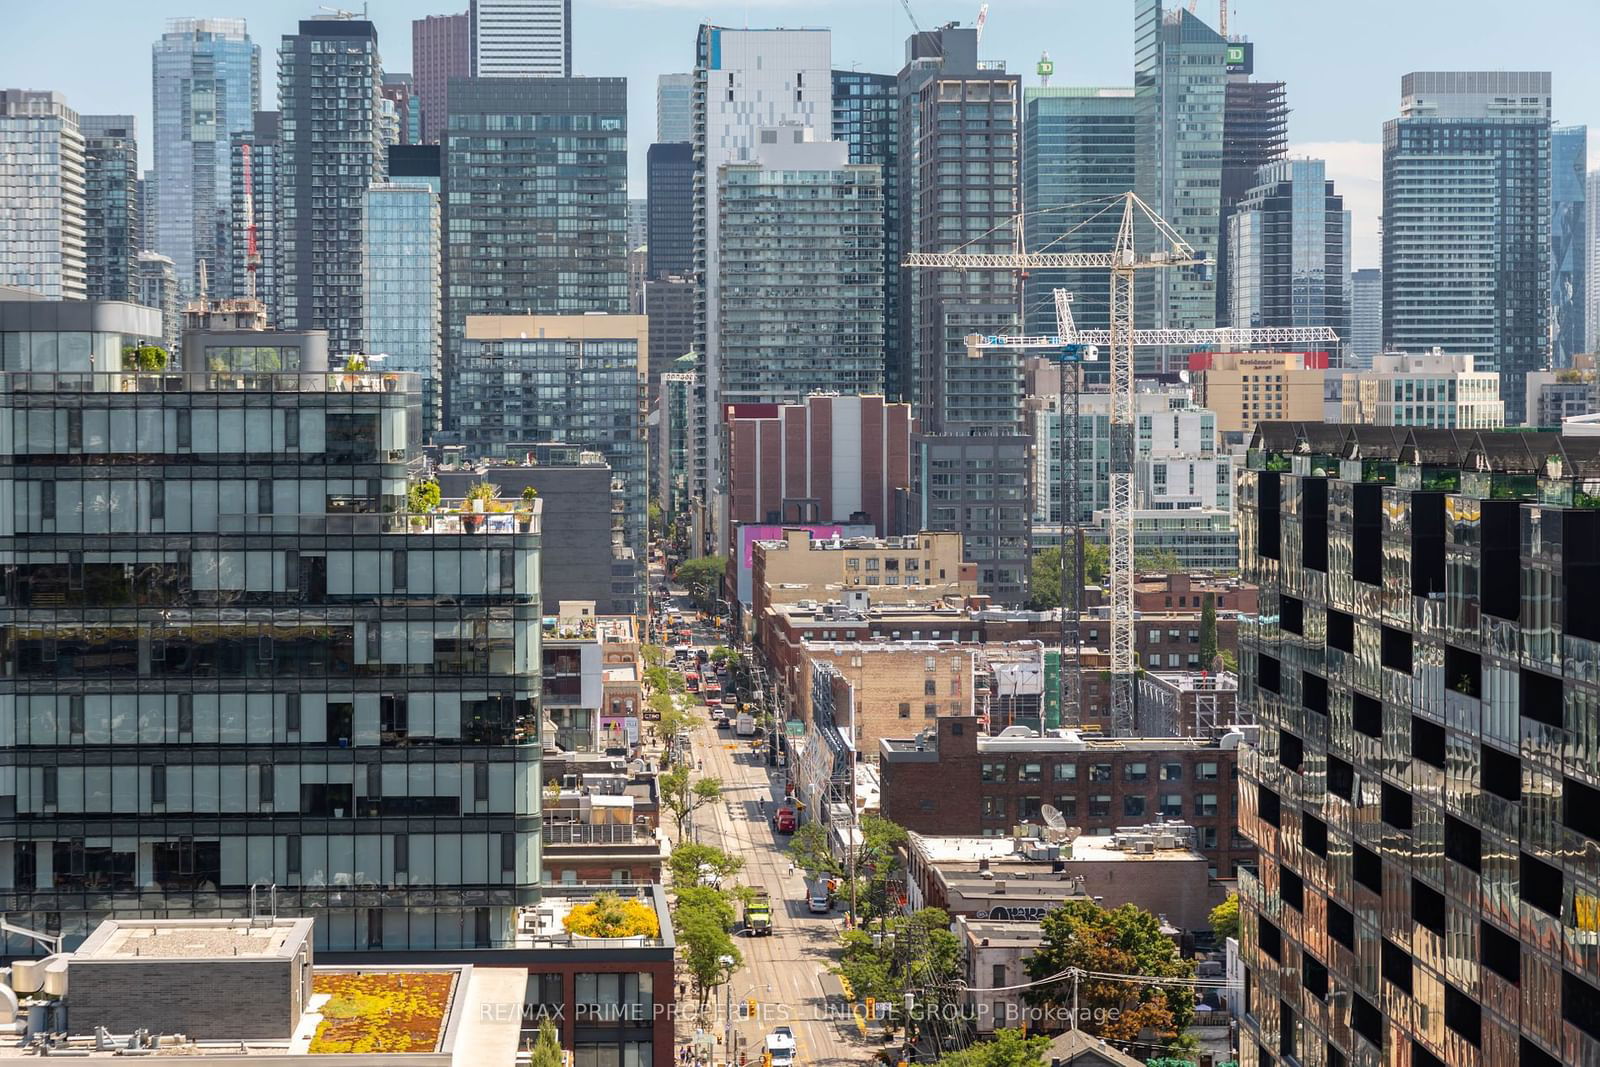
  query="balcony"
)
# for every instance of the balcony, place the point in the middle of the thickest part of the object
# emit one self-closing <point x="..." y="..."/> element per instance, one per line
<point x="577" y="833"/>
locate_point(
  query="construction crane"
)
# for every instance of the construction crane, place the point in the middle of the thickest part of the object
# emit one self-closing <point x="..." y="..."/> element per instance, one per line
<point x="983" y="17"/>
<point x="1123" y="262"/>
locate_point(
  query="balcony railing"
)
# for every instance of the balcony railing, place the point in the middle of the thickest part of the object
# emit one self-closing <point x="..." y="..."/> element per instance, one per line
<point x="572" y="833"/>
<point x="180" y="381"/>
<point x="357" y="522"/>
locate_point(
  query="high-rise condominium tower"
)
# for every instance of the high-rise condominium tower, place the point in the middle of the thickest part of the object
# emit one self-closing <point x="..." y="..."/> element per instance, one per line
<point x="521" y="38"/>
<point x="1569" y="242"/>
<point x="1466" y="221"/>
<point x="43" y="229"/>
<point x="441" y="49"/>
<point x="329" y="86"/>
<point x="207" y="82"/>
<point x="674" y="108"/>
<point x="111" y="205"/>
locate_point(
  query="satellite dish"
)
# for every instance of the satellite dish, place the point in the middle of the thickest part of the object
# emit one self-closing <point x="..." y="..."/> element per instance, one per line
<point x="1053" y="819"/>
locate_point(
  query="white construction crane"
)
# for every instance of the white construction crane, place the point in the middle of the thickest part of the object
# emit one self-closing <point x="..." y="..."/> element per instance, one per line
<point x="1122" y="262"/>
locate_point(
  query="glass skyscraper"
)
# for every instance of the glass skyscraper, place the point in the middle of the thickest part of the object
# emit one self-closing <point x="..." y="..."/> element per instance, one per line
<point x="1287" y="247"/>
<point x="1078" y="150"/>
<point x="1180" y="87"/>
<point x="263" y="144"/>
<point x="1366" y="317"/>
<point x="247" y="666"/>
<point x="800" y="300"/>
<point x="1569" y="161"/>
<point x="330" y="88"/>
<point x="560" y="249"/>
<point x="1466" y="221"/>
<point x="674" y="108"/>
<point x="42" y="232"/>
<point x="401" y="302"/>
<point x="207" y="85"/>
<point x="669" y="210"/>
<point x="111" y="205"/>
<point x="866" y="116"/>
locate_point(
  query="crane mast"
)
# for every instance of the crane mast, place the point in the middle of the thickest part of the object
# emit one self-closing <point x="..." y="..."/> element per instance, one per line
<point x="1122" y="262"/>
<point x="252" y="260"/>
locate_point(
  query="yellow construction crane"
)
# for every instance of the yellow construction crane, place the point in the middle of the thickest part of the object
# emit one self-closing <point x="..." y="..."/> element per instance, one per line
<point x="1123" y="261"/>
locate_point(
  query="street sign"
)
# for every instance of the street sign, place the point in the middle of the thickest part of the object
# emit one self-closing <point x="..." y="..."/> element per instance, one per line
<point x="794" y="728"/>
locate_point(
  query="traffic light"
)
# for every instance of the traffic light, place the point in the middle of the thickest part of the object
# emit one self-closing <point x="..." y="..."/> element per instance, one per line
<point x="750" y="1007"/>
<point x="871" y="1004"/>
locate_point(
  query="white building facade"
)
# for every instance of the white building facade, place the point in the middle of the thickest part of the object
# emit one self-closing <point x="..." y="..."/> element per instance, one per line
<point x="1435" y="390"/>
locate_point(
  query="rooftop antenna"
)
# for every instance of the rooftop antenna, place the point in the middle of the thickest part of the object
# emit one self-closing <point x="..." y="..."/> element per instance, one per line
<point x="1045" y="69"/>
<point x="1222" y="19"/>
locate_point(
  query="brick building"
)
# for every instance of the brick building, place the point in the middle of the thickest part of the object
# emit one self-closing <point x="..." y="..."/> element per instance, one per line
<point x="956" y="780"/>
<point x="1180" y="591"/>
<point x="830" y="459"/>
<point x="915" y="569"/>
<point x="895" y="686"/>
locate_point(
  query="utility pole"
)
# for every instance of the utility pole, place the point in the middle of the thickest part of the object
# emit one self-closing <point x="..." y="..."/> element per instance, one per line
<point x="855" y="824"/>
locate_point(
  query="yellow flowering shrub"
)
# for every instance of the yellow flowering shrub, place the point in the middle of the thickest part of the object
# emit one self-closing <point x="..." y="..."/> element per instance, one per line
<point x="608" y="915"/>
<point x="381" y="1011"/>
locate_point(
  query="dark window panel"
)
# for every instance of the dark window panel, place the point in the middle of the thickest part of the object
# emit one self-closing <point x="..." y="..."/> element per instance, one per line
<point x="1427" y="907"/>
<point x="1314" y="834"/>
<point x="1396" y="649"/>
<point x="1341" y="631"/>
<point x="1366" y="715"/>
<point x="1463" y="843"/>
<point x="1396" y="965"/>
<point x="1500" y="952"/>
<point x="1540" y="884"/>
<point x="1427" y="742"/>
<point x="1292" y="615"/>
<point x="1500" y="774"/>
<point x="1463" y="1015"/>
<point x="1314" y="692"/>
<point x="1368" y="868"/>
<point x="1539" y="697"/>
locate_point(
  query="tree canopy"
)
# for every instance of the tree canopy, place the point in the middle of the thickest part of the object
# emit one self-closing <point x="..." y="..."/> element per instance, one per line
<point x="1010" y="1047"/>
<point x="1225" y="918"/>
<point x="547" y="1048"/>
<point x="689" y="862"/>
<point x="901" y="952"/>
<point x="682" y="797"/>
<point x="701" y="577"/>
<point x="877" y="860"/>
<point x="1126" y="940"/>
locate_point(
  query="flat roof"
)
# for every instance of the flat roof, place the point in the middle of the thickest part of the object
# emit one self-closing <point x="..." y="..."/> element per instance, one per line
<point x="1002" y="934"/>
<point x="179" y="939"/>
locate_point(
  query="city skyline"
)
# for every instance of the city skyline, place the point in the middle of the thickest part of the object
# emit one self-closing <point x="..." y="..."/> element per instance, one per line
<point x="1335" y="117"/>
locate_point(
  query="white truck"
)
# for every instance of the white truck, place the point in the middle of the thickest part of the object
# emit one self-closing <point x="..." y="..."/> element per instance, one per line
<point x="781" y="1047"/>
<point x="745" y="724"/>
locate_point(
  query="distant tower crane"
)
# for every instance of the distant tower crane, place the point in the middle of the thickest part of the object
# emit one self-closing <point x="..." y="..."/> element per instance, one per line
<point x="252" y="257"/>
<point x="1123" y="261"/>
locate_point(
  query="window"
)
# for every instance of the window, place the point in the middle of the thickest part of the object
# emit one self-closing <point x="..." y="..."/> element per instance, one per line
<point x="994" y="807"/>
<point x="1136" y="772"/>
<point x="993" y="772"/>
<point x="1064" y="772"/>
<point x="1133" y="807"/>
<point x="930" y="711"/>
<point x="1028" y="808"/>
<point x="1170" y="806"/>
<point x="1205" y="772"/>
<point x="1172" y="772"/>
<point x="930" y="687"/>
<point x="1100" y="772"/>
<point x="1100" y="804"/>
<point x="905" y="710"/>
<point x="1205" y="805"/>
<point x="1067" y="806"/>
<point x="1030" y="772"/>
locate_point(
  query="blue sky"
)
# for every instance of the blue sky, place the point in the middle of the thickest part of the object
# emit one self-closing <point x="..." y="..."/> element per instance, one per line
<point x="1342" y="58"/>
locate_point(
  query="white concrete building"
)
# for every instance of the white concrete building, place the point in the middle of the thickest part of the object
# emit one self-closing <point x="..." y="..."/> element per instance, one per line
<point x="1436" y="390"/>
<point x="521" y="38"/>
<point x="744" y="81"/>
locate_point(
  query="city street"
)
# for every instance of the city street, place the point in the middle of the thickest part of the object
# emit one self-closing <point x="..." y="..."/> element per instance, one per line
<point x="787" y="972"/>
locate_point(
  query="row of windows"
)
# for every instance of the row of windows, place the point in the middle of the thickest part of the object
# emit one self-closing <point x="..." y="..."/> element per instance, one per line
<point x="1099" y="805"/>
<point x="1132" y="771"/>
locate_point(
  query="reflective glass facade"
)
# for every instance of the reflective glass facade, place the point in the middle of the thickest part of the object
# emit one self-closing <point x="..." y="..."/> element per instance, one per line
<point x="1569" y="242"/>
<point x="400" y="228"/>
<point x="263" y="143"/>
<point x="669" y="211"/>
<point x="1426" y="788"/>
<point x="1077" y="150"/>
<point x="866" y="116"/>
<point x="1466" y="222"/>
<point x="241" y="664"/>
<point x="111" y="205"/>
<point x="1366" y="317"/>
<point x="1288" y="248"/>
<point x="207" y="85"/>
<point x="1180" y="85"/>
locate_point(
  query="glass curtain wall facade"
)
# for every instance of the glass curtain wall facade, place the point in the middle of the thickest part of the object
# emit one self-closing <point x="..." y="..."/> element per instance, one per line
<point x="330" y="88"/>
<point x="525" y="380"/>
<point x="245" y="665"/>
<point x="866" y="117"/>
<point x="42" y="233"/>
<point x="674" y="108"/>
<point x="1569" y="242"/>
<point x="1425" y="796"/>
<point x="400" y="230"/>
<point x="1180" y="85"/>
<point x="263" y="143"/>
<point x="1288" y="238"/>
<point x="669" y="210"/>
<point x="207" y="87"/>
<point x="1077" y="152"/>
<point x="800" y="307"/>
<point x="111" y="205"/>
<point x="561" y="250"/>
<point x="1255" y="132"/>
<point x="1366" y="318"/>
<point x="1466" y="221"/>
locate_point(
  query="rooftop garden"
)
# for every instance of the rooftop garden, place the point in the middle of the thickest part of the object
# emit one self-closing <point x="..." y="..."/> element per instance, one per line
<point x="381" y="1011"/>
<point x="608" y="915"/>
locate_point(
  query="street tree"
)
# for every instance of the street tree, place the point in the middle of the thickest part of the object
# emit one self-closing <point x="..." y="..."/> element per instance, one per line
<point x="808" y="847"/>
<point x="674" y="717"/>
<point x="701" y="577"/>
<point x="893" y="955"/>
<point x="546" y="1050"/>
<point x="694" y="864"/>
<point x="1157" y="560"/>
<point x="1208" y="631"/>
<point x="701" y="923"/>
<point x="1127" y="940"/>
<point x="877" y="860"/>
<point x="1225" y="918"/>
<point x="682" y="797"/>
<point x="1010" y="1047"/>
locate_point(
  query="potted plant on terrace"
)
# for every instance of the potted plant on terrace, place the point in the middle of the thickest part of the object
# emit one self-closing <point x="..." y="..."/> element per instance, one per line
<point x="610" y="918"/>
